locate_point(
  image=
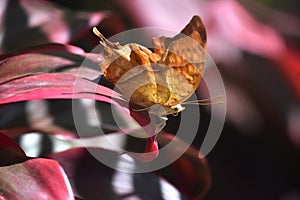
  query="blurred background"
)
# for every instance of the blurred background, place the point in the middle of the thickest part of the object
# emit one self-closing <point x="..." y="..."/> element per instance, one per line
<point x="256" y="46"/>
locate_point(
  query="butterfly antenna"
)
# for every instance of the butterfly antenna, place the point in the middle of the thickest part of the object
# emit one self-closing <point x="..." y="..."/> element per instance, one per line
<point x="205" y="102"/>
<point x="140" y="110"/>
<point x="105" y="41"/>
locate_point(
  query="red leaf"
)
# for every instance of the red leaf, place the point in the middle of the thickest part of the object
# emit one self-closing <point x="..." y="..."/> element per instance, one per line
<point x="54" y="86"/>
<point x="36" y="178"/>
<point x="26" y="77"/>
<point x="15" y="71"/>
<point x="189" y="173"/>
<point x="48" y="58"/>
<point x="289" y="64"/>
<point x="49" y="129"/>
<point x="10" y="152"/>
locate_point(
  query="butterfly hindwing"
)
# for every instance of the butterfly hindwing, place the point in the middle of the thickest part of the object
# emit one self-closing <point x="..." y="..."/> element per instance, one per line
<point x="184" y="54"/>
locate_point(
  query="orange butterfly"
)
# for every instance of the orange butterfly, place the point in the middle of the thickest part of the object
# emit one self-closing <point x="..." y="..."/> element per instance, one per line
<point x="168" y="76"/>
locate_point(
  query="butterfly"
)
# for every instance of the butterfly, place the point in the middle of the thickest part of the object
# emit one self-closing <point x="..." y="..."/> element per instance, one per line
<point x="165" y="76"/>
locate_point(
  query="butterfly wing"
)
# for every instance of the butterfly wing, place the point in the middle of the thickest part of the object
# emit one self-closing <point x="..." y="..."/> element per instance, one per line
<point x="131" y="72"/>
<point x="184" y="55"/>
<point x="168" y="76"/>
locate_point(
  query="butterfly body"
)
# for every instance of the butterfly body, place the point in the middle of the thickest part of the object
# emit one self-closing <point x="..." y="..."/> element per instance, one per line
<point x="166" y="76"/>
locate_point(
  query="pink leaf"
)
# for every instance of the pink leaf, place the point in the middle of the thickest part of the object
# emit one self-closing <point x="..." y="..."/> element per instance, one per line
<point x="228" y="34"/>
<point x="40" y="22"/>
<point x="46" y="49"/>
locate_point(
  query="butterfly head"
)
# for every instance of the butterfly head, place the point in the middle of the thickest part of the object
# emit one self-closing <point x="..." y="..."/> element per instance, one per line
<point x="175" y="110"/>
<point x="157" y="109"/>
